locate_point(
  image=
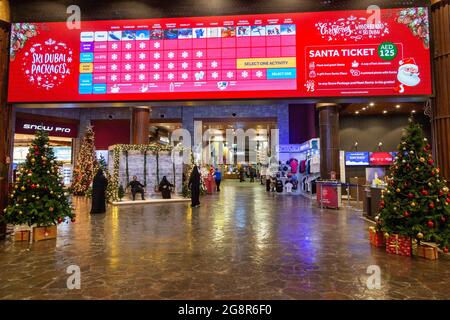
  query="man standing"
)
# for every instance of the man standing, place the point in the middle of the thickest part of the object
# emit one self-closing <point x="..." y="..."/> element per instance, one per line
<point x="136" y="187"/>
<point x="218" y="178"/>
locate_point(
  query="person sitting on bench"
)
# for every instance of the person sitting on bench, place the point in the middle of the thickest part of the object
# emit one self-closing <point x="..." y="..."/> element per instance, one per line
<point x="136" y="187"/>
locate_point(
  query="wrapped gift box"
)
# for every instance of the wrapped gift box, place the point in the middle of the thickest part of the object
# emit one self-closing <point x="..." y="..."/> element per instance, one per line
<point x="44" y="233"/>
<point x="425" y="251"/>
<point x="399" y="245"/>
<point x="376" y="237"/>
<point x="22" y="235"/>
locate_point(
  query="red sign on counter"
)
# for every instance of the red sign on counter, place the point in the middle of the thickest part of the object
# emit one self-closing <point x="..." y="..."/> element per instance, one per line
<point x="381" y="158"/>
<point x="292" y="55"/>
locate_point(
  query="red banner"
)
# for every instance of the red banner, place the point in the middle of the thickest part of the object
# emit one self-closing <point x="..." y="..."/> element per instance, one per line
<point x="381" y="158"/>
<point x="342" y="53"/>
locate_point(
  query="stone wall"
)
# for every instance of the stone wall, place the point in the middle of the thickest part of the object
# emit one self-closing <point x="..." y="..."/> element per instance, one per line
<point x="136" y="167"/>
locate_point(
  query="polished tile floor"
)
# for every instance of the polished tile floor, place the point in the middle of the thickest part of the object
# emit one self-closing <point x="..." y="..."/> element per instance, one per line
<point x="240" y="244"/>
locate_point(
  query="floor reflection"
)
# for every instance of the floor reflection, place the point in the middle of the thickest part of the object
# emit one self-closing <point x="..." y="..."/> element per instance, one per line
<point x="242" y="243"/>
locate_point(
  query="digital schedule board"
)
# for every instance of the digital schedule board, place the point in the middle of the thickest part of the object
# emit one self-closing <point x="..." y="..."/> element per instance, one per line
<point x="292" y="55"/>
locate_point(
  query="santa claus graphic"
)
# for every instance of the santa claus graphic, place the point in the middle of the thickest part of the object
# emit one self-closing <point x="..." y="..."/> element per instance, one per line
<point x="407" y="75"/>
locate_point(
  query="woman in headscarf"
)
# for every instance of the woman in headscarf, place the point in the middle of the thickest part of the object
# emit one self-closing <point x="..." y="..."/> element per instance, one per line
<point x="165" y="187"/>
<point x="194" y="186"/>
<point x="99" y="193"/>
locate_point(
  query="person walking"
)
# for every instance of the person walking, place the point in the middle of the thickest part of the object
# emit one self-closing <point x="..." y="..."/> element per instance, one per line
<point x="241" y="174"/>
<point x="218" y="179"/>
<point x="194" y="186"/>
<point x="165" y="187"/>
<point x="99" y="185"/>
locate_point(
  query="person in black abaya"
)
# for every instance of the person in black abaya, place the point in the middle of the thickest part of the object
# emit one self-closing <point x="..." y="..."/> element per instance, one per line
<point x="194" y="186"/>
<point x="165" y="187"/>
<point x="99" y="193"/>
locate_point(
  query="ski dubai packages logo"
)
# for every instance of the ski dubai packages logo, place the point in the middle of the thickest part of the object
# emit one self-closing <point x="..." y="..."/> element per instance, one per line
<point x="364" y="53"/>
<point x="45" y="64"/>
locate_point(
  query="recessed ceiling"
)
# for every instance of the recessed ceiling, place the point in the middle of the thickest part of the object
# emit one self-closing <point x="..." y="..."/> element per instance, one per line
<point x="382" y="108"/>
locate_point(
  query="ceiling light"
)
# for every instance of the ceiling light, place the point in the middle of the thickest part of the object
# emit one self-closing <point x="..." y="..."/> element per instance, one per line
<point x="356" y="112"/>
<point x="364" y="108"/>
<point x="397" y="106"/>
<point x="414" y="111"/>
<point x="384" y="111"/>
<point x="371" y="104"/>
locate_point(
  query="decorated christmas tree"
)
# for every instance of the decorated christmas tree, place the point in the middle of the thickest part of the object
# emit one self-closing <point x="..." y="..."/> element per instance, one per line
<point x="416" y="201"/>
<point x="186" y="192"/>
<point x="38" y="196"/>
<point x="86" y="166"/>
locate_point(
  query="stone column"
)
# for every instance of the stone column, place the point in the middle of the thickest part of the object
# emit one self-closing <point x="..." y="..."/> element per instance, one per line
<point x="440" y="13"/>
<point x="5" y="111"/>
<point x="140" y="125"/>
<point x="329" y="139"/>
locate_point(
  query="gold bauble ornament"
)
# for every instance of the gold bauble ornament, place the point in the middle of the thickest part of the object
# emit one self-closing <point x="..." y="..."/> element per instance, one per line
<point x="18" y="179"/>
<point x="386" y="235"/>
<point x="37" y="197"/>
<point x="20" y="212"/>
<point x="33" y="160"/>
<point x="417" y="169"/>
<point x="23" y="188"/>
<point x="419" y="235"/>
<point x="25" y="200"/>
<point x="445" y="188"/>
<point x="17" y="187"/>
<point x="397" y="190"/>
<point x="422" y="159"/>
<point x="430" y="184"/>
<point x="413" y="204"/>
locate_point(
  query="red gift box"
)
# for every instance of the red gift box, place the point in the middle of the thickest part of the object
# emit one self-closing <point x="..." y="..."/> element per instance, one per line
<point x="376" y="237"/>
<point x="399" y="245"/>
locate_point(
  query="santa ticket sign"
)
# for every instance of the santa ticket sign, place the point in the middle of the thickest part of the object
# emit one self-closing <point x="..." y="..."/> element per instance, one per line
<point x="291" y="55"/>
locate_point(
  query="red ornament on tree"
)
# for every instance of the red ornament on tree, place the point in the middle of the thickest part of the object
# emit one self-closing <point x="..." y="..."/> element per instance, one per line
<point x="431" y="205"/>
<point x="33" y="186"/>
<point x="430" y="161"/>
<point x="60" y="220"/>
<point x="410" y="195"/>
<point x="443" y="219"/>
<point x="430" y="224"/>
<point x="424" y="192"/>
<point x="406" y="214"/>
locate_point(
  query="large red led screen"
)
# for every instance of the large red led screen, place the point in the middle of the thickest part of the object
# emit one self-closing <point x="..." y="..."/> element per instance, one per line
<point x="293" y="55"/>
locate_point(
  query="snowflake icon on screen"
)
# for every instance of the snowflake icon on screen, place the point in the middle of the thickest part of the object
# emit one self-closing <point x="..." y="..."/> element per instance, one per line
<point x="214" y="64"/>
<point x="26" y="54"/>
<point x="114" y="67"/>
<point x="171" y="65"/>
<point x="128" y="77"/>
<point x="184" y="75"/>
<point x="199" y="54"/>
<point x="114" y="77"/>
<point x="39" y="78"/>
<point x="171" y="55"/>
<point x="115" y="46"/>
<point x="215" y="75"/>
<point x="142" y="56"/>
<point x="156" y="76"/>
<point x="184" y="54"/>
<point x="128" y="56"/>
<point x="244" y="74"/>
<point x="184" y="65"/>
<point x="230" y="74"/>
<point x="142" y="66"/>
<point x="128" y="67"/>
<point x="69" y="59"/>
<point x="32" y="50"/>
<point x="142" y="45"/>
<point x="259" y="74"/>
<point x="157" y="45"/>
<point x="156" y="66"/>
<point x="114" y="56"/>
<point x="199" y="65"/>
<point x="128" y="46"/>
<point x="156" y="55"/>
<point x="27" y="72"/>
<point x="170" y="76"/>
<point x="142" y="77"/>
